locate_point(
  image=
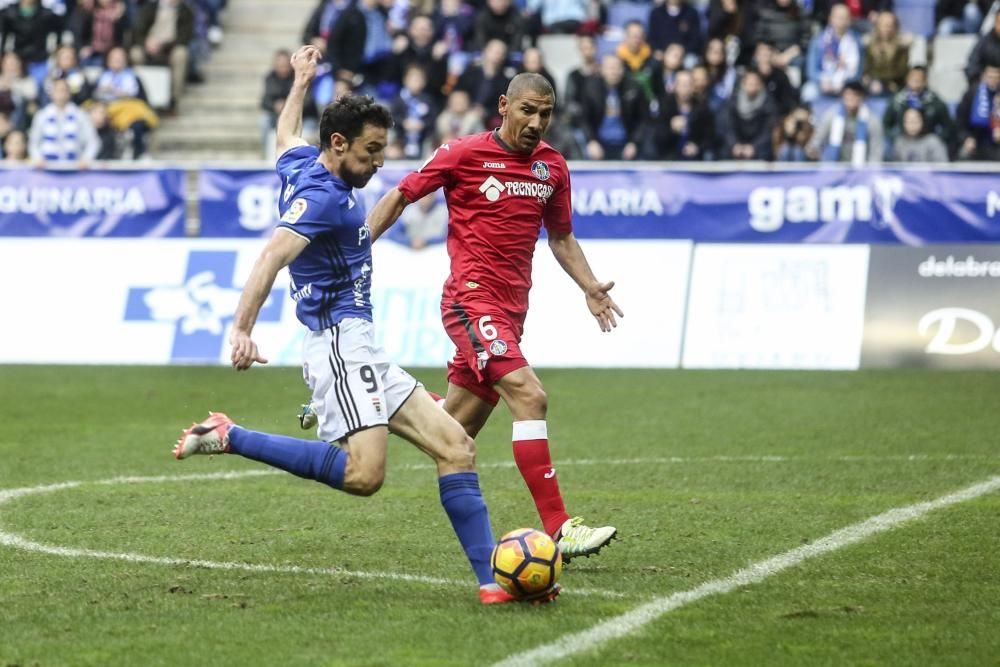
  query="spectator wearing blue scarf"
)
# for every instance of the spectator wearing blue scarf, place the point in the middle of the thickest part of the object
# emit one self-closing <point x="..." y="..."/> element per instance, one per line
<point x="979" y="118"/>
<point x="849" y="132"/>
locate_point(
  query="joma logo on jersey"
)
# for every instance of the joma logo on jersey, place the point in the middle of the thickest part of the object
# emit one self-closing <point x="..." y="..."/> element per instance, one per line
<point x="494" y="165"/>
<point x="493" y="188"/>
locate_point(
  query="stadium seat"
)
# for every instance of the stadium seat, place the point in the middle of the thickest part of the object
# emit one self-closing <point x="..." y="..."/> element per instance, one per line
<point x="950" y="85"/>
<point x="918" y="51"/>
<point x="607" y="45"/>
<point x="952" y="51"/>
<point x="156" y="83"/>
<point x="620" y="13"/>
<point x="916" y="16"/>
<point x="794" y="76"/>
<point x="946" y="76"/>
<point x="561" y="57"/>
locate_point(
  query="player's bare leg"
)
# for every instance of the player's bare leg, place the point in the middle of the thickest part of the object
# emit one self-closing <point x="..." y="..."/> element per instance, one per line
<point x="467" y="409"/>
<point x="523" y="393"/>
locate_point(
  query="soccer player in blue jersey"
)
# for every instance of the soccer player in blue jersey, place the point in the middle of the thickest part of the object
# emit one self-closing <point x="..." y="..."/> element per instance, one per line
<point x="359" y="394"/>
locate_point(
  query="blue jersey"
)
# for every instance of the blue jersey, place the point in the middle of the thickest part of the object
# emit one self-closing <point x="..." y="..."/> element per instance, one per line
<point x="331" y="278"/>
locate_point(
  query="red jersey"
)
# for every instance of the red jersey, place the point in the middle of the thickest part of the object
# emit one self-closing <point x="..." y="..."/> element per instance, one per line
<point x="497" y="202"/>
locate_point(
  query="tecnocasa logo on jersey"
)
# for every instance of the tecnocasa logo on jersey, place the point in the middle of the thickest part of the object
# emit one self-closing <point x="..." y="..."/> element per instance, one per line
<point x="494" y="188"/>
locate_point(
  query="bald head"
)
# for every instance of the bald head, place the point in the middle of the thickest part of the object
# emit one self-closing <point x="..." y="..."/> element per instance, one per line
<point x="529" y="83"/>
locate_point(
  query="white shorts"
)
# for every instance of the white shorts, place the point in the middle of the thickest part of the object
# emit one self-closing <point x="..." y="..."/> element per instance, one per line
<point x="354" y="385"/>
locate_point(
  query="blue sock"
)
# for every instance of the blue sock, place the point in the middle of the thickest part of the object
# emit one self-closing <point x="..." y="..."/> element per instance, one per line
<point x="463" y="501"/>
<point x="312" y="459"/>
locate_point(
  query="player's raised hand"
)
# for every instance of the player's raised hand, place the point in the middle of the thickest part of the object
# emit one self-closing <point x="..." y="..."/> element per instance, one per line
<point x="602" y="306"/>
<point x="244" y="352"/>
<point x="304" y="62"/>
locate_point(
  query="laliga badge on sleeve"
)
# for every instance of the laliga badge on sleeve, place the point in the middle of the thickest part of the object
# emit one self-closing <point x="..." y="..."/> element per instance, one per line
<point x="294" y="211"/>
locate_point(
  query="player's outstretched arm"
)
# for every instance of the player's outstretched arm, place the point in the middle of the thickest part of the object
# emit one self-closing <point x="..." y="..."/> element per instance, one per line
<point x="277" y="254"/>
<point x="570" y="256"/>
<point x="386" y="212"/>
<point x="288" y="131"/>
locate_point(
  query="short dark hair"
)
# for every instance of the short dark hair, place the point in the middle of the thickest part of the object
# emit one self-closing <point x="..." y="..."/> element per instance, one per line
<point x="529" y="82"/>
<point x="854" y="86"/>
<point x="348" y="117"/>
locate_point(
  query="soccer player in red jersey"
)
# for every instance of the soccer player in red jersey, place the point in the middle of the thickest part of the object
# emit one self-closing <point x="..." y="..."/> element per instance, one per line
<point x="501" y="187"/>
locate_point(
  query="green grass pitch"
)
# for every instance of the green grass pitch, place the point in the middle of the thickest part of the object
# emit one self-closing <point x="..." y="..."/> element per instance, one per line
<point x="703" y="473"/>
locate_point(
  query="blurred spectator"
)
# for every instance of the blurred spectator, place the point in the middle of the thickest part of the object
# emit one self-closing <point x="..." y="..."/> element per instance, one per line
<point x="339" y="29"/>
<point x="426" y="222"/>
<point x="458" y="118"/>
<point x="417" y="46"/>
<point x="987" y="51"/>
<point x="61" y="132"/>
<point x="722" y="77"/>
<point x="674" y="22"/>
<point x="791" y="136"/>
<point x="633" y="50"/>
<point x="979" y="118"/>
<point x="862" y="13"/>
<point x="533" y="62"/>
<point x="413" y="112"/>
<point x="65" y="66"/>
<point x="781" y="90"/>
<point x="887" y="57"/>
<point x="499" y="19"/>
<point x="663" y="73"/>
<point x="849" y="132"/>
<point x="780" y="24"/>
<point x="120" y="89"/>
<point x="18" y="91"/>
<point x="163" y="32"/>
<point x="25" y="28"/>
<point x="106" y="135"/>
<point x="916" y="95"/>
<point x="378" y="40"/>
<point x="277" y="85"/>
<point x="728" y="18"/>
<point x="954" y="17"/>
<point x="750" y="120"/>
<point x="684" y="129"/>
<point x="916" y="146"/>
<point x="702" y="83"/>
<point x="573" y="99"/>
<point x="834" y="57"/>
<point x="486" y="81"/>
<point x="453" y="24"/>
<point x="612" y="114"/>
<point x="560" y="17"/>
<point x="6" y="126"/>
<point x="15" y="148"/>
<point x="98" y="25"/>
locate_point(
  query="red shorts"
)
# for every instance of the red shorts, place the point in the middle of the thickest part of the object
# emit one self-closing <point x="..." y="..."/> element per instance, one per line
<point x="487" y="341"/>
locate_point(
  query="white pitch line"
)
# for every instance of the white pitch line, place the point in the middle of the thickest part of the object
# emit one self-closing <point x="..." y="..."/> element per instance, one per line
<point x="17" y="542"/>
<point x="629" y="622"/>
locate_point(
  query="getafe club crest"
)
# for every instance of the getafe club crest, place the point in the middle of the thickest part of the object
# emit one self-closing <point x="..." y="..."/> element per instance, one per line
<point x="498" y="348"/>
<point x="540" y="170"/>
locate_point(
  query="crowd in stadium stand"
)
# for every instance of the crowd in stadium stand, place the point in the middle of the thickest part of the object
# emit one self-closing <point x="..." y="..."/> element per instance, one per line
<point x="69" y="94"/>
<point x="784" y="80"/>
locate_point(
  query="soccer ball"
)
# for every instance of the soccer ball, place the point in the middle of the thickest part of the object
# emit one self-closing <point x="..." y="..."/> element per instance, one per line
<point x="526" y="563"/>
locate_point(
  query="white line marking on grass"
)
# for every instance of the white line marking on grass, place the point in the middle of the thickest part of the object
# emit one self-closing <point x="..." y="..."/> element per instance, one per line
<point x="629" y="622"/>
<point x="18" y="542"/>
